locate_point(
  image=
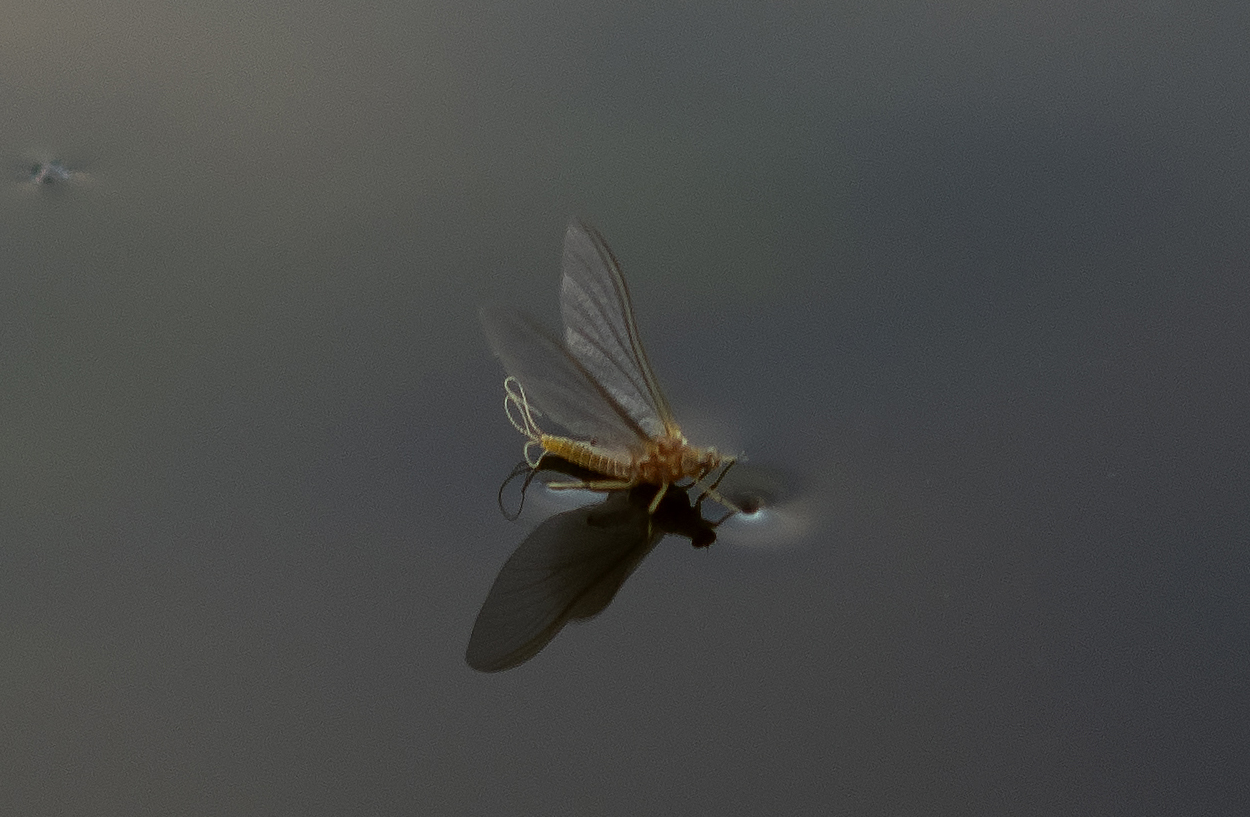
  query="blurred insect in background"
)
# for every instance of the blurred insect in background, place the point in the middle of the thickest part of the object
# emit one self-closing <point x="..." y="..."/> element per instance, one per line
<point x="38" y="172"/>
<point x="49" y="172"/>
<point x="597" y="384"/>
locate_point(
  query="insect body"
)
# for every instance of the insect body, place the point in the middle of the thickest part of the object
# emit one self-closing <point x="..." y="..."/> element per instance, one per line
<point x="655" y="461"/>
<point x="596" y="382"/>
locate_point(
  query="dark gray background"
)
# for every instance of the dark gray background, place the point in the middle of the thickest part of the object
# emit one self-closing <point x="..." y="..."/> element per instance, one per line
<point x="974" y="274"/>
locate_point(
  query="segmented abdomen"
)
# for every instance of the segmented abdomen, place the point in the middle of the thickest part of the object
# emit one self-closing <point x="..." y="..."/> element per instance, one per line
<point x="583" y="455"/>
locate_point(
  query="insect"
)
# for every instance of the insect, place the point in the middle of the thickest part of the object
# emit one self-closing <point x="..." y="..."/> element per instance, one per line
<point x="49" y="172"/>
<point x="39" y="171"/>
<point x="596" y="383"/>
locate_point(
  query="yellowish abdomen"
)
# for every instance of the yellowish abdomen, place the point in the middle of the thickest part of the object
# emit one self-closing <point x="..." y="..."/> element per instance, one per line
<point x="581" y="454"/>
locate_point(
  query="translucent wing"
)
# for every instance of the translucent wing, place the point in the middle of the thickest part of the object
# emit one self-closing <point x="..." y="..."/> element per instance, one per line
<point x="569" y="568"/>
<point x="600" y="332"/>
<point x="557" y="385"/>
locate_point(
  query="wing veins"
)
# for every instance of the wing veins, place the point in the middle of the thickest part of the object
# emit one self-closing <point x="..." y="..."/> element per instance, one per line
<point x="618" y="314"/>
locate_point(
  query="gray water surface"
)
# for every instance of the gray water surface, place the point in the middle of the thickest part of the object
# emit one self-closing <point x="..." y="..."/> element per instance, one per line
<point x="974" y="279"/>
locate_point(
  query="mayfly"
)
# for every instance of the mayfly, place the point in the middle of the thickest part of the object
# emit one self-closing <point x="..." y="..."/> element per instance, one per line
<point x="597" y="383"/>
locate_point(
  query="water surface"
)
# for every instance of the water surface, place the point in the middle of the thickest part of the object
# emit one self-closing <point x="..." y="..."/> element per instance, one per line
<point x="974" y="280"/>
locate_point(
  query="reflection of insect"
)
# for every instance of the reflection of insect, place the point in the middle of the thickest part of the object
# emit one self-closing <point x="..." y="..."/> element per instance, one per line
<point x="571" y="567"/>
<point x="597" y="383"/>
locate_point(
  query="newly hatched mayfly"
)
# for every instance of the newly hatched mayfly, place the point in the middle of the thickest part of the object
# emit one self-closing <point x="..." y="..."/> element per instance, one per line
<point x="597" y="384"/>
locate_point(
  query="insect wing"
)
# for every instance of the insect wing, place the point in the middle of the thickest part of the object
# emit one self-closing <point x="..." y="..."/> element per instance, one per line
<point x="557" y="385"/>
<point x="600" y="332"/>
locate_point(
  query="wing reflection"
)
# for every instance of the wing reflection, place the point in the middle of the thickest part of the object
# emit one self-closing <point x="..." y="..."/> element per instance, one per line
<point x="571" y="567"/>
